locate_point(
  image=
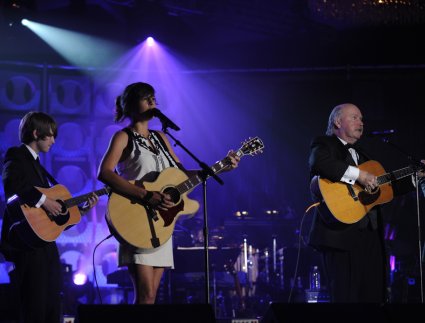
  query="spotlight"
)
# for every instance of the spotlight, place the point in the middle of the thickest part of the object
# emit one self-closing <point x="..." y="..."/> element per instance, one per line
<point x="150" y="41"/>
<point x="25" y="22"/>
<point x="80" y="279"/>
<point x="78" y="291"/>
<point x="392" y="263"/>
<point x="241" y="213"/>
<point x="272" y="212"/>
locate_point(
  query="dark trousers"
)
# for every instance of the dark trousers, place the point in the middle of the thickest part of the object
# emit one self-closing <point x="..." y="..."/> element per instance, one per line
<point x="37" y="278"/>
<point x="357" y="275"/>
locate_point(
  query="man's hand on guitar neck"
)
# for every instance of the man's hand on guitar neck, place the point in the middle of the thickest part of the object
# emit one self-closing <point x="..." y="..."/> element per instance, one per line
<point x="52" y="206"/>
<point x="370" y="181"/>
<point x="91" y="202"/>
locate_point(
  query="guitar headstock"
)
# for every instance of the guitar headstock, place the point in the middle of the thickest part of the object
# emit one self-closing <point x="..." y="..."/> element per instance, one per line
<point x="252" y="146"/>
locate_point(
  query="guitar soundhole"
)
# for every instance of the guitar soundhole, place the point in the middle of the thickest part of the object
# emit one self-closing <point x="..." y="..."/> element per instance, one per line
<point x="174" y="193"/>
<point x="367" y="198"/>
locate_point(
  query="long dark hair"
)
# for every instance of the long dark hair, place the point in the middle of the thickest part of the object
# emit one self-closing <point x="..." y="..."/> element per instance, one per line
<point x="39" y="121"/>
<point x="126" y="104"/>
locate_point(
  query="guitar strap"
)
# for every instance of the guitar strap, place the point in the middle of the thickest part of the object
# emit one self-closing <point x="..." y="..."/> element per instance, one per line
<point x="49" y="177"/>
<point x="40" y="173"/>
<point x="163" y="146"/>
<point x="130" y="135"/>
<point x="151" y="214"/>
<point x="165" y="150"/>
<point x="351" y="191"/>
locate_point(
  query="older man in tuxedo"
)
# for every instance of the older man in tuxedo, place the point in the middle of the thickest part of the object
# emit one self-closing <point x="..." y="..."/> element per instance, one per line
<point x="354" y="259"/>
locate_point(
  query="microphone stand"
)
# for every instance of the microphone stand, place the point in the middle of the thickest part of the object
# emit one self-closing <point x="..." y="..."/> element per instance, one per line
<point x="417" y="163"/>
<point x="205" y="172"/>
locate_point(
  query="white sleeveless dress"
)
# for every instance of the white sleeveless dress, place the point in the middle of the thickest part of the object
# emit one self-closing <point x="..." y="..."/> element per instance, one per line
<point x="145" y="163"/>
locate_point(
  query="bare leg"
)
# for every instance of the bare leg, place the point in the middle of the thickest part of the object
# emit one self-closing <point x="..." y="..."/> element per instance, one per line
<point x="146" y="280"/>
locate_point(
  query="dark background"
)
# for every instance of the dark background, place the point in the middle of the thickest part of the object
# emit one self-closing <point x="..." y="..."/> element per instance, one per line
<point x="272" y="69"/>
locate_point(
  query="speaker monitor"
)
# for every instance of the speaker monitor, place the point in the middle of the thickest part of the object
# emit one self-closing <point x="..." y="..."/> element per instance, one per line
<point x="146" y="313"/>
<point x="347" y="313"/>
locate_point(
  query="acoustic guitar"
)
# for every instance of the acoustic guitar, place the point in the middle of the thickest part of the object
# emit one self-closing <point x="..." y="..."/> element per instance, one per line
<point x="36" y="226"/>
<point x="133" y="222"/>
<point x="349" y="203"/>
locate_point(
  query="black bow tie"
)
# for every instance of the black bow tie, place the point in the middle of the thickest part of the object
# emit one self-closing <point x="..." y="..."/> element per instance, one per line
<point x="348" y="146"/>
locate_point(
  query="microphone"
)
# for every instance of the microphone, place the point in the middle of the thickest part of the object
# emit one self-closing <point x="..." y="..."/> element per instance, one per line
<point x="382" y="133"/>
<point x="164" y="120"/>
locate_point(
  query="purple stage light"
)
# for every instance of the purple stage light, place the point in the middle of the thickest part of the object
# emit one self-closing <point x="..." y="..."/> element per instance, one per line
<point x="80" y="279"/>
<point x="150" y="41"/>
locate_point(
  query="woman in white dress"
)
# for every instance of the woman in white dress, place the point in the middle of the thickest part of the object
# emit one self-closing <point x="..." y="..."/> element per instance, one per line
<point x="139" y="153"/>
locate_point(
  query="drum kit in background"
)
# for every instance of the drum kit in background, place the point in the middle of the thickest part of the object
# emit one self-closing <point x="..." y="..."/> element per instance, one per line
<point x="244" y="277"/>
<point x="260" y="267"/>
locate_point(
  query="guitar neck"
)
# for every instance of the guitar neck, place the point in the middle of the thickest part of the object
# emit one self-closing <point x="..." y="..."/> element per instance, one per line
<point x="83" y="198"/>
<point x="195" y="180"/>
<point x="395" y="175"/>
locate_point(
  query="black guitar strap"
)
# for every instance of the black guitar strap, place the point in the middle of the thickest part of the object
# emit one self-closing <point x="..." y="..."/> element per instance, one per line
<point x="130" y="135"/>
<point x="39" y="170"/>
<point x="49" y="177"/>
<point x="351" y="191"/>
<point x="163" y="146"/>
<point x="151" y="214"/>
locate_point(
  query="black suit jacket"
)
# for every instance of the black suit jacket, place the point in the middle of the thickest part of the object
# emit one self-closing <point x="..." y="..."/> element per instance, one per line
<point x="20" y="175"/>
<point x="330" y="159"/>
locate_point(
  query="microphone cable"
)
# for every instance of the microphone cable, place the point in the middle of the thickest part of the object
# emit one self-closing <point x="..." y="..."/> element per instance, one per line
<point x="300" y="238"/>
<point x="94" y="267"/>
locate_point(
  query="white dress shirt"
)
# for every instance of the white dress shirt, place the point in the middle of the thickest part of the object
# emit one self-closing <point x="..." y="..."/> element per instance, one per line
<point x="352" y="173"/>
